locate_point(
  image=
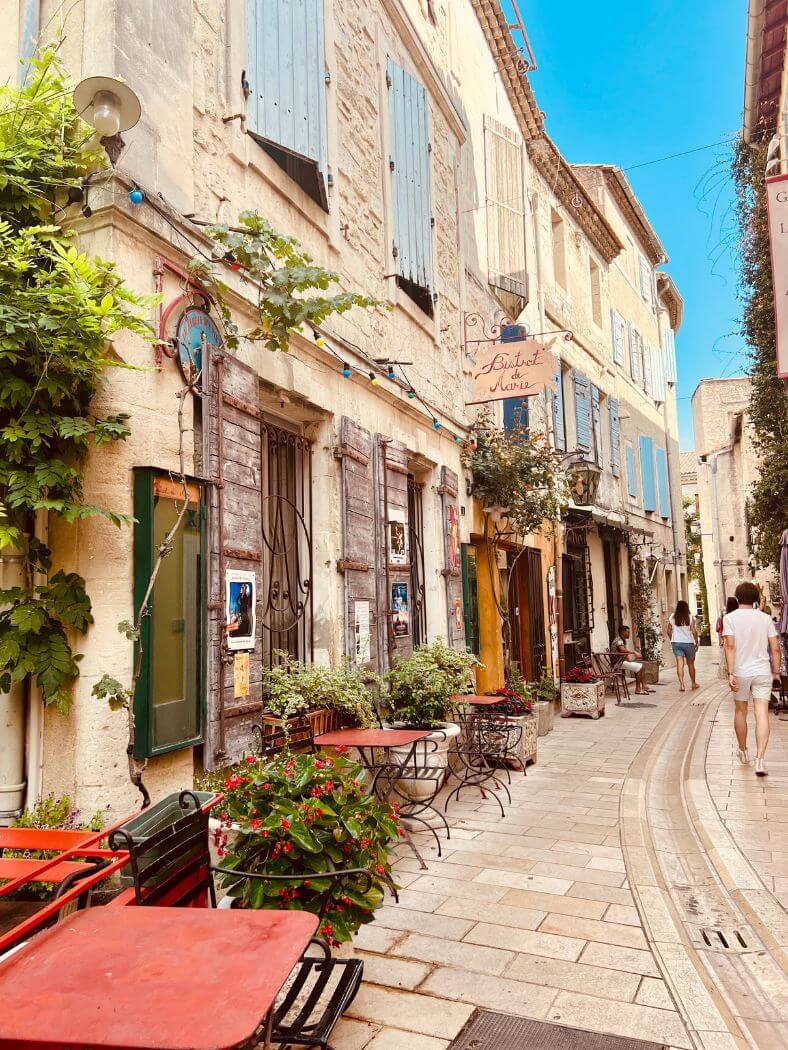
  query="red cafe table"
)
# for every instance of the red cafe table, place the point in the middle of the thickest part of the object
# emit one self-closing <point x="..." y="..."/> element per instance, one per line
<point x="149" y="978"/>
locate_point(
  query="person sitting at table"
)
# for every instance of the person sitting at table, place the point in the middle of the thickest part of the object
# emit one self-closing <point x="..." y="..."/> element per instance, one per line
<point x="626" y="662"/>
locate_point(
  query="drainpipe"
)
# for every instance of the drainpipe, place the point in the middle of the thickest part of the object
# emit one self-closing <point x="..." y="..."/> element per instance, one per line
<point x="12" y="712"/>
<point x="35" y="702"/>
<point x="558" y="530"/>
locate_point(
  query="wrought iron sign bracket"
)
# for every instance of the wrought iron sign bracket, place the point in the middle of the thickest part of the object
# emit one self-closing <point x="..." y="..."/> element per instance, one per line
<point x="474" y="323"/>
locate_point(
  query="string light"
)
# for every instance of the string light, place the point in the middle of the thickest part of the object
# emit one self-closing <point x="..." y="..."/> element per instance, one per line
<point x="436" y="424"/>
<point x="374" y="379"/>
<point x="136" y="196"/>
<point x="346" y="370"/>
<point x="411" y="393"/>
<point x="392" y="373"/>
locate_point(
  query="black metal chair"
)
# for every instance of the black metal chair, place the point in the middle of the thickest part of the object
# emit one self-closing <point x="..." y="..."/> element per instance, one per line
<point x="485" y="743"/>
<point x="172" y="868"/>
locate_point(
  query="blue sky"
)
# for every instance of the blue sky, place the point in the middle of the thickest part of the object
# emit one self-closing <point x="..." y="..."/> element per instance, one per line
<point x="628" y="81"/>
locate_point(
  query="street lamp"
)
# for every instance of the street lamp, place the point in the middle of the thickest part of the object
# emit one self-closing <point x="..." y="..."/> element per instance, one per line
<point x="108" y="105"/>
<point x="583" y="478"/>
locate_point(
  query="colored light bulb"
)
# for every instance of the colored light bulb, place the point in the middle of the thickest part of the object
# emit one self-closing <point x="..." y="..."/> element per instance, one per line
<point x="346" y="371"/>
<point x="411" y="394"/>
<point x="136" y="196"/>
<point x="392" y="374"/>
<point x="436" y="424"/>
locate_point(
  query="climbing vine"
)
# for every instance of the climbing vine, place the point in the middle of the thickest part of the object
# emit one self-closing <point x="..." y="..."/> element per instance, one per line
<point x="767" y="510"/>
<point x="695" y="569"/>
<point x="59" y="309"/>
<point x="645" y="623"/>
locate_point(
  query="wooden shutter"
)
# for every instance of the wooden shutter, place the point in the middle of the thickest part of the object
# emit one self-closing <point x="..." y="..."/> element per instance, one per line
<point x="662" y="483"/>
<point x="616" y="326"/>
<point x="410" y="150"/>
<point x="645" y="278"/>
<point x="647" y="485"/>
<point x="615" y="437"/>
<point x="503" y="168"/>
<point x="669" y="352"/>
<point x="658" y="386"/>
<point x="596" y="426"/>
<point x="236" y="542"/>
<point x="559" y="426"/>
<point x="286" y="70"/>
<point x="632" y="487"/>
<point x="582" y="412"/>
<point x="632" y="341"/>
<point x="358" y="562"/>
<point x="645" y="357"/>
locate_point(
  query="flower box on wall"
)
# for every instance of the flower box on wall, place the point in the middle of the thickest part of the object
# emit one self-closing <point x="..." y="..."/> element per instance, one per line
<point x="582" y="698"/>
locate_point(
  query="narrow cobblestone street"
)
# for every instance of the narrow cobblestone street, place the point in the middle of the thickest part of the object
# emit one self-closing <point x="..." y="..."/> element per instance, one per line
<point x="570" y="908"/>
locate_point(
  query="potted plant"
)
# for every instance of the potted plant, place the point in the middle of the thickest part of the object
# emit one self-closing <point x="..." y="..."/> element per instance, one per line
<point x="517" y="707"/>
<point x="582" y="693"/>
<point x="421" y="692"/>
<point x="652" y="652"/>
<point x="543" y="694"/>
<point x="292" y="688"/>
<point x="306" y="814"/>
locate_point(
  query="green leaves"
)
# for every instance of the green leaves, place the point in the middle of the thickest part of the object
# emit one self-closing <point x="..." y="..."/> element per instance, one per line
<point x="110" y="689"/>
<point x="32" y="631"/>
<point x="288" y="281"/>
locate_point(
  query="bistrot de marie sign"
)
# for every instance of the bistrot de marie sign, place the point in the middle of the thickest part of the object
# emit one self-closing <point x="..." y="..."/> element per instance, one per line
<point x="521" y="368"/>
<point x="777" y="201"/>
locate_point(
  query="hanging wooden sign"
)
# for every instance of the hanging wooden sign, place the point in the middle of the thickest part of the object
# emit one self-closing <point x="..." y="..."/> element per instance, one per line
<point x="521" y="368"/>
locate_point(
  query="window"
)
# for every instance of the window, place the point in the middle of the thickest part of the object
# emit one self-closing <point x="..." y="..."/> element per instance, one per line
<point x="285" y="605"/>
<point x="515" y="413"/>
<point x="662" y="483"/>
<point x="168" y="701"/>
<point x="503" y="166"/>
<point x="617" y="333"/>
<point x="582" y="413"/>
<point x="557" y="399"/>
<point x="559" y="248"/>
<point x="596" y="425"/>
<point x="647" y="485"/>
<point x="286" y="70"/>
<point x="417" y="573"/>
<point x="470" y="597"/>
<point x="410" y="171"/>
<point x="644" y="274"/>
<point x="632" y="482"/>
<point x="615" y="437"/>
<point x="595" y="284"/>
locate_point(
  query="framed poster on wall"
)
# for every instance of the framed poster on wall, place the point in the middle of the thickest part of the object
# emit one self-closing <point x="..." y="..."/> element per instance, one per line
<point x="398" y="536"/>
<point x="400" y="610"/>
<point x="240" y="608"/>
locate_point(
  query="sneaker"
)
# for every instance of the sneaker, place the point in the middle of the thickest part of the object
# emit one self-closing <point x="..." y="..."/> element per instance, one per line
<point x="744" y="756"/>
<point x="760" y="768"/>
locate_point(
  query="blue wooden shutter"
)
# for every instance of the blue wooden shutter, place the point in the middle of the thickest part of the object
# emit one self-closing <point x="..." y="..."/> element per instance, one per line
<point x="616" y="323"/>
<point x="559" y="427"/>
<point x="669" y="351"/>
<point x="662" y="483"/>
<point x="632" y="340"/>
<point x="515" y="409"/>
<point x="582" y="412"/>
<point x="647" y="370"/>
<point x="632" y="485"/>
<point x="647" y="473"/>
<point x="596" y="426"/>
<point x="286" y="70"/>
<point x="410" y="155"/>
<point x="615" y="437"/>
<point x="658" y="386"/>
<point x="645" y="279"/>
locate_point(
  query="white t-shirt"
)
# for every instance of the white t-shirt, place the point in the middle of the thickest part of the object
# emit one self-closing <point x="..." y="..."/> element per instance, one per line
<point x="680" y="634"/>
<point x="752" y="630"/>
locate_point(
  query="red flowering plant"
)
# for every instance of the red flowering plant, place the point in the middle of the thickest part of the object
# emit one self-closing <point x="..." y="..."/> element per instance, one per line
<point x="512" y="703"/>
<point x="303" y="814"/>
<point x="582" y="675"/>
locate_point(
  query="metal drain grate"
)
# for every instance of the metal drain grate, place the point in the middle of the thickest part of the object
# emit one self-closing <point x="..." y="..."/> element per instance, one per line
<point x="491" y="1031"/>
<point x="722" y="939"/>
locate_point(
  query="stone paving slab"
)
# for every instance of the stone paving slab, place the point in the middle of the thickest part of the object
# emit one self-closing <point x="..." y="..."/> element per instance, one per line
<point x="529" y="914"/>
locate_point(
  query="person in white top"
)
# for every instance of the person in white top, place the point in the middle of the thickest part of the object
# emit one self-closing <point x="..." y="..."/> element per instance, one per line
<point x="683" y="637"/>
<point x="752" y="653"/>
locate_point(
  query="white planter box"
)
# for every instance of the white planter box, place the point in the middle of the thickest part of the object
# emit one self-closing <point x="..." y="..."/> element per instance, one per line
<point x="543" y="710"/>
<point x="582" y="698"/>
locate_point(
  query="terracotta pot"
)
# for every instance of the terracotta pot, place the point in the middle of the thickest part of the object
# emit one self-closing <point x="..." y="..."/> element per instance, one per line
<point x="582" y="698"/>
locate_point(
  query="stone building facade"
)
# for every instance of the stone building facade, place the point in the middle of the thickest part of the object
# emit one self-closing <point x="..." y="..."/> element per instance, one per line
<point x="727" y="466"/>
<point x="400" y="143"/>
